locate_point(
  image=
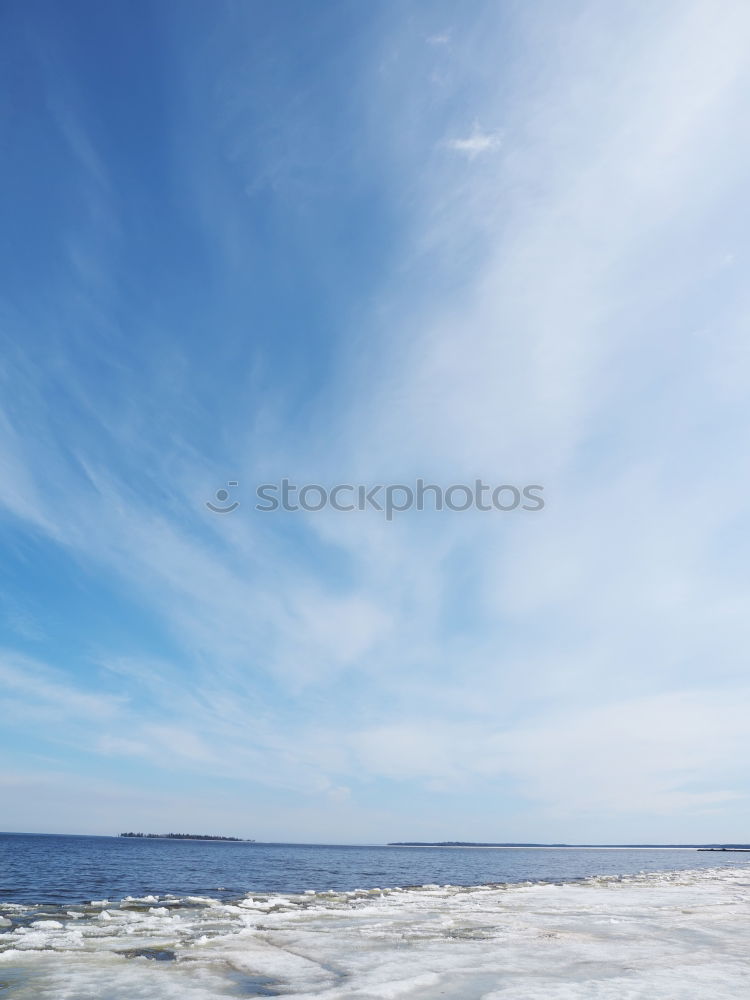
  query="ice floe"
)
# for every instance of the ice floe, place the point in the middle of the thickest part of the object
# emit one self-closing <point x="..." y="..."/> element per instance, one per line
<point x="682" y="934"/>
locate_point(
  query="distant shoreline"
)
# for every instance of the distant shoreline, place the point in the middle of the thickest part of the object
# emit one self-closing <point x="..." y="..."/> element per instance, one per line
<point x="574" y="847"/>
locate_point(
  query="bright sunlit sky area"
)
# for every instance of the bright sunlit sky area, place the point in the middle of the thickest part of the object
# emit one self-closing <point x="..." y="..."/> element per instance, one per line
<point x="366" y="243"/>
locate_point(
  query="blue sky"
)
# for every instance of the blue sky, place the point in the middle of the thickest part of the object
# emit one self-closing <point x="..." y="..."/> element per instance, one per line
<point x="367" y="243"/>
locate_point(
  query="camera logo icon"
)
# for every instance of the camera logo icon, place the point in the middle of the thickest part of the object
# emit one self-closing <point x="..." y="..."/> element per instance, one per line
<point x="222" y="496"/>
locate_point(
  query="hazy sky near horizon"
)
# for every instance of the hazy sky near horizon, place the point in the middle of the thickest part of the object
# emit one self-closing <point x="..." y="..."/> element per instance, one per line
<point x="366" y="243"/>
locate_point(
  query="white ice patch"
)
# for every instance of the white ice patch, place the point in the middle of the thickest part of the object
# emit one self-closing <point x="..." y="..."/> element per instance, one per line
<point x="679" y="934"/>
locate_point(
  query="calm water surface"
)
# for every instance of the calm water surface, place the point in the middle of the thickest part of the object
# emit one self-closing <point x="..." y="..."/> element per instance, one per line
<point x="68" y="870"/>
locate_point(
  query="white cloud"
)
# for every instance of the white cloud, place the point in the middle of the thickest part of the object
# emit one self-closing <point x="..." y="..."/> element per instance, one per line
<point x="476" y="143"/>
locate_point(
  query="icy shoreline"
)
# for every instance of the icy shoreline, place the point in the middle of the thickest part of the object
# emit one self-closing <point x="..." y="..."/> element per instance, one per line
<point x="674" y="934"/>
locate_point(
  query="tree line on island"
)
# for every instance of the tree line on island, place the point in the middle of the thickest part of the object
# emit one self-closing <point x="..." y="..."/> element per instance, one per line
<point x="186" y="836"/>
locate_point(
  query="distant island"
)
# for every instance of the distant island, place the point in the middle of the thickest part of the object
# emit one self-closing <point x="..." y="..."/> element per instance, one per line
<point x="186" y="836"/>
<point x="745" y="849"/>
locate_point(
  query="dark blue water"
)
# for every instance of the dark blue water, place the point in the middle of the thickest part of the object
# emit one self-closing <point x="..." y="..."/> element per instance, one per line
<point x="68" y="870"/>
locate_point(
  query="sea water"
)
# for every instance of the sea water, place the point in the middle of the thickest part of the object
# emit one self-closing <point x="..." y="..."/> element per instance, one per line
<point x="113" y="919"/>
